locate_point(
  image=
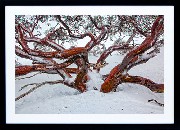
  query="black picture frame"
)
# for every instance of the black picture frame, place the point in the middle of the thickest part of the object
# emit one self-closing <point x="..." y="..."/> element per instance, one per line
<point x="4" y="3"/>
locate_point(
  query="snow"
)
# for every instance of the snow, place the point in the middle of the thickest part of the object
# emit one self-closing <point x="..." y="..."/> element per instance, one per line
<point x="124" y="72"/>
<point x="95" y="80"/>
<point x="91" y="102"/>
<point x="69" y="80"/>
<point x="153" y="69"/>
<point x="146" y="56"/>
<point x="50" y="67"/>
<point x="40" y="60"/>
<point x="60" y="99"/>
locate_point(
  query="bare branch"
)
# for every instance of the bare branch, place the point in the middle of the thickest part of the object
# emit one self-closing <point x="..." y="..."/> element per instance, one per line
<point x="111" y="81"/>
<point x="73" y="35"/>
<point x="94" y="22"/>
<point x="120" y="46"/>
<point x="22" y="70"/>
<point x="44" y="60"/>
<point x="159" y="88"/>
<point x="28" y="76"/>
<point x="38" y="85"/>
<point x="160" y="104"/>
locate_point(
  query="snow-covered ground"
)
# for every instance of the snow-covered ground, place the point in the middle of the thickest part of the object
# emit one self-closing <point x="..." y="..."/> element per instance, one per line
<point x="60" y="99"/>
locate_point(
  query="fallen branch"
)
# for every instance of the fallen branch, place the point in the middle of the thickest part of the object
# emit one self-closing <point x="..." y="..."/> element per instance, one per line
<point x="39" y="85"/>
<point x="160" y="104"/>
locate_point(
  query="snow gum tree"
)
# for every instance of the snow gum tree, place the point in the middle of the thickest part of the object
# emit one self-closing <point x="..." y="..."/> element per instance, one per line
<point x="37" y="39"/>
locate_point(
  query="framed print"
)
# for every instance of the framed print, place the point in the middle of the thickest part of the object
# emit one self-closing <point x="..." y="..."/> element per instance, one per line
<point x="89" y="64"/>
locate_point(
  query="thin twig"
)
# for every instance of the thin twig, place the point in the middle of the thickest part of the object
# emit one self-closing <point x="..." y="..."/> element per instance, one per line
<point x="29" y="76"/>
<point x="27" y="85"/>
<point x="160" y="104"/>
<point x="39" y="85"/>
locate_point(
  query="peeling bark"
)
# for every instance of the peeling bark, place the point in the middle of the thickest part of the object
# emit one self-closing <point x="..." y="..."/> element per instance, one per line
<point x="132" y="57"/>
<point x="45" y="61"/>
<point x="22" y="70"/>
<point x="81" y="77"/>
<point x="111" y="81"/>
<point x="159" y="88"/>
<point x="108" y="51"/>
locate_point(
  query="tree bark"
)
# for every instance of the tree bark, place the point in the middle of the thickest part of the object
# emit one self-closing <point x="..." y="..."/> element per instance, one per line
<point x="120" y="70"/>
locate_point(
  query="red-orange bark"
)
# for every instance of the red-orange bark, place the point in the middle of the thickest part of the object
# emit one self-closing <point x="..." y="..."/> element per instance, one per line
<point x="112" y="81"/>
<point x="22" y="70"/>
<point x="78" y="83"/>
<point x="72" y="70"/>
<point x="145" y="82"/>
<point x="122" y="46"/>
<point x="79" y="56"/>
<point x="73" y="51"/>
<point x="26" y="48"/>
